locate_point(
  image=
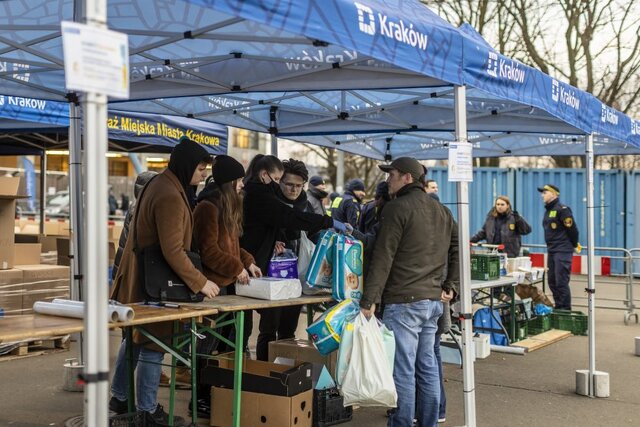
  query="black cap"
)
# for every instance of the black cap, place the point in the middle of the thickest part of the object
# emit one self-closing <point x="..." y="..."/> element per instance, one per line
<point x="405" y="165"/>
<point x="355" y="184"/>
<point x="226" y="169"/>
<point x="550" y="187"/>
<point x="316" y="180"/>
<point x="382" y="189"/>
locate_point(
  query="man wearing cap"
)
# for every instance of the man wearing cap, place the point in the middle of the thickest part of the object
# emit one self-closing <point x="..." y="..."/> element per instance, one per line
<point x="347" y="208"/>
<point x="317" y="193"/>
<point x="417" y="238"/>
<point x="561" y="236"/>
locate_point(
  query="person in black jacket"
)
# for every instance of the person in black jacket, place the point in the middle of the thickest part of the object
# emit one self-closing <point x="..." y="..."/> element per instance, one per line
<point x="265" y="216"/>
<point x="561" y="235"/>
<point x="347" y="208"/>
<point x="503" y="226"/>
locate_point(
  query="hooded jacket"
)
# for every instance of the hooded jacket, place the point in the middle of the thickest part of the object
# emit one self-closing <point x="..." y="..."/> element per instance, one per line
<point x="511" y="227"/>
<point x="417" y="239"/>
<point x="222" y="258"/>
<point x="315" y="196"/>
<point x="264" y="217"/>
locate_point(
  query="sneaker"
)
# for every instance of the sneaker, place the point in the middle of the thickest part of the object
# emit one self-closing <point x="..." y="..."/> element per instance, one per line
<point x="117" y="406"/>
<point x="203" y="407"/>
<point x="159" y="418"/>
<point x="441" y="420"/>
<point x="165" y="381"/>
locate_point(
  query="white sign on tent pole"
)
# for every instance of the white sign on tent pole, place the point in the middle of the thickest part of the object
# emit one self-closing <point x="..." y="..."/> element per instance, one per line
<point x="95" y="60"/>
<point x="460" y="162"/>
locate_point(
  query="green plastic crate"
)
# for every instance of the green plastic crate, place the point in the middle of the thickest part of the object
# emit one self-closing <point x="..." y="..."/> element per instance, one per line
<point x="485" y="267"/>
<point x="575" y="321"/>
<point x="539" y="324"/>
<point x="522" y="330"/>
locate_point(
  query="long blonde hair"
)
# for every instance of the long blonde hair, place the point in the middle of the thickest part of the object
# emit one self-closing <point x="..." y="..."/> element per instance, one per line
<point x="494" y="211"/>
<point x="229" y="207"/>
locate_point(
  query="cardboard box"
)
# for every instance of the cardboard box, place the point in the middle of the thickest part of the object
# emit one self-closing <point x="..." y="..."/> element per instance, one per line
<point x="27" y="238"/>
<point x="258" y="376"/>
<point x="47" y="290"/>
<point x="8" y="195"/>
<point x="302" y="351"/>
<point x="31" y="273"/>
<point x="259" y="409"/>
<point x="11" y="302"/>
<point x="27" y="253"/>
<point x="62" y="248"/>
<point x="10" y="277"/>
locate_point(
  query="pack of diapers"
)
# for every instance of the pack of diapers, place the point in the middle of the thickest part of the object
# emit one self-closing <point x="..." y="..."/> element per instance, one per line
<point x="348" y="268"/>
<point x="320" y="272"/>
<point x="283" y="266"/>
<point x="326" y="331"/>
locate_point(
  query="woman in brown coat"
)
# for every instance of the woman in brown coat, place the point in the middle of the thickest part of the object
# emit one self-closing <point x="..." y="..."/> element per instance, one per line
<point x="216" y="234"/>
<point x="163" y="216"/>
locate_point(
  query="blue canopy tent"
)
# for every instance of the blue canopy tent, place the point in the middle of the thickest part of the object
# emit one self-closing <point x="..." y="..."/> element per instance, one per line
<point x="287" y="49"/>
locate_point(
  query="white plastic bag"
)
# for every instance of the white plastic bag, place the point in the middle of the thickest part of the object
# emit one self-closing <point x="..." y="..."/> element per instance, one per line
<point x="368" y="380"/>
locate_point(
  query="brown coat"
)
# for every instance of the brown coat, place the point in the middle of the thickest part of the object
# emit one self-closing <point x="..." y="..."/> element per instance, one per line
<point x="162" y="216"/>
<point x="222" y="258"/>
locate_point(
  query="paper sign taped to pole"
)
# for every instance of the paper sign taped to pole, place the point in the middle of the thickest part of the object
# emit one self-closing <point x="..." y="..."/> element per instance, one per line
<point x="460" y="162"/>
<point x="95" y="60"/>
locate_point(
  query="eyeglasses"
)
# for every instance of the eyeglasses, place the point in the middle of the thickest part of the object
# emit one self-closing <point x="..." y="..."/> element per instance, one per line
<point x="292" y="186"/>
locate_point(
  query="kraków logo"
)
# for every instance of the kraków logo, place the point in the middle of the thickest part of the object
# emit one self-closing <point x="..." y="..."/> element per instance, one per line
<point x="508" y="69"/>
<point x="608" y="116"/>
<point x="567" y="97"/>
<point x="399" y="31"/>
<point x="635" y="127"/>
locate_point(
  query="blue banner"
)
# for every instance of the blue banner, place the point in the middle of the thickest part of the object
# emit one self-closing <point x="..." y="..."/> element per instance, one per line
<point x="45" y="113"/>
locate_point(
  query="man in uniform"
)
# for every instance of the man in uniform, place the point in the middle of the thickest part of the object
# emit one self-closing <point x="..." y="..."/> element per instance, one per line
<point x="561" y="236"/>
<point x="347" y="208"/>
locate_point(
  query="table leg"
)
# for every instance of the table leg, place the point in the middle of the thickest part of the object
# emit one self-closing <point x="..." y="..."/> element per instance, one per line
<point x="194" y="366"/>
<point x="172" y="386"/>
<point x="237" y="375"/>
<point x="513" y="314"/>
<point x="130" y="370"/>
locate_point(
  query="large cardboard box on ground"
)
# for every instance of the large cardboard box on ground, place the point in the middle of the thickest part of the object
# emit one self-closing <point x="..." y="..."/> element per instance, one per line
<point x="8" y="195"/>
<point x="302" y="351"/>
<point x="27" y="253"/>
<point x="258" y="376"/>
<point x="11" y="292"/>
<point x="259" y="409"/>
<point x="43" y="283"/>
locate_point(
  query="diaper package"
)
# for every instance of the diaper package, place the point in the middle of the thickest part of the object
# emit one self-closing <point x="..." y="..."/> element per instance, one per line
<point x="326" y="331"/>
<point x="320" y="272"/>
<point x="348" y="268"/>
<point x="284" y="266"/>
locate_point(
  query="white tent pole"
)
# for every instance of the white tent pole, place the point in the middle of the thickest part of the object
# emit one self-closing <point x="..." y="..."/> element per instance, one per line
<point x="468" y="356"/>
<point x="43" y="189"/>
<point x="95" y="264"/>
<point x="590" y="264"/>
<point x="340" y="172"/>
<point x="75" y="218"/>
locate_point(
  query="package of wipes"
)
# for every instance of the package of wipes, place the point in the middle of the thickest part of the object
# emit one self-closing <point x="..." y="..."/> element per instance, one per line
<point x="270" y="288"/>
<point x="326" y="331"/>
<point x="348" y="268"/>
<point x="320" y="272"/>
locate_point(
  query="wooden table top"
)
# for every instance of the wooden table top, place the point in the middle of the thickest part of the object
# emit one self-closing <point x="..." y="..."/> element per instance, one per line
<point x="28" y="326"/>
<point x="227" y="303"/>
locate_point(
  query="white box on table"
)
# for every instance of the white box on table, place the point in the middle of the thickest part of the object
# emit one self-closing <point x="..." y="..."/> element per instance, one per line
<point x="270" y="288"/>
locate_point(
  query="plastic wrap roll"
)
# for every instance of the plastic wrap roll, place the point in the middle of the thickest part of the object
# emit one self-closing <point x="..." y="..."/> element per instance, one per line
<point x="59" y="309"/>
<point x="117" y="313"/>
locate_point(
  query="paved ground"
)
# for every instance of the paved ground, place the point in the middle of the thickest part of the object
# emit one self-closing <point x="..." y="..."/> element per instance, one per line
<point x="537" y="389"/>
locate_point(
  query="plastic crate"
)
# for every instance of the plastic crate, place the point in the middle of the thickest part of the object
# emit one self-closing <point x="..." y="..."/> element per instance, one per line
<point x="575" y="321"/>
<point x="522" y="330"/>
<point x="133" y="419"/>
<point x="539" y="324"/>
<point x="485" y="267"/>
<point x="329" y="409"/>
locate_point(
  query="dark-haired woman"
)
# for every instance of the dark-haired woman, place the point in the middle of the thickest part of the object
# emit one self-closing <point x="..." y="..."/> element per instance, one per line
<point x="503" y="226"/>
<point x="163" y="217"/>
<point x="216" y="233"/>
<point x="265" y="216"/>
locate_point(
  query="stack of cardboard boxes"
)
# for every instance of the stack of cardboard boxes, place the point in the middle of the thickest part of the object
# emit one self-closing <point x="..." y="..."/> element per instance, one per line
<point x="23" y="280"/>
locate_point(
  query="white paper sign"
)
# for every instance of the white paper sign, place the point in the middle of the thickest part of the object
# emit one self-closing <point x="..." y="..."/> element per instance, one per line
<point x="95" y="60"/>
<point x="460" y="162"/>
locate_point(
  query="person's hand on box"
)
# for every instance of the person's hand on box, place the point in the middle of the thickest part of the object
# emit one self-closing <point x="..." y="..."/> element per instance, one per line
<point x="210" y="289"/>
<point x="243" y="278"/>
<point x="279" y="248"/>
<point x="255" y="271"/>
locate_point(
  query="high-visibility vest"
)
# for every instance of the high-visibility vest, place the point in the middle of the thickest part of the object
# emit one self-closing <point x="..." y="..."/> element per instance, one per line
<point x="334" y="205"/>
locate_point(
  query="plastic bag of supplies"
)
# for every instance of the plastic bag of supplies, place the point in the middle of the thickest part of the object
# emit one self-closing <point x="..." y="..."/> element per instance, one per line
<point x="368" y="380"/>
<point x="325" y="332"/>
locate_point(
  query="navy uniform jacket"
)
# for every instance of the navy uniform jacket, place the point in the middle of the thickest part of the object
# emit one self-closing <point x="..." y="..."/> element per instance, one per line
<point x="560" y="230"/>
<point x="346" y="209"/>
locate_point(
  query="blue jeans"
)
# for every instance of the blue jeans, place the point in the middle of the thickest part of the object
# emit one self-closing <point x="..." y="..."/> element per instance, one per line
<point x="415" y="368"/>
<point x="442" y="409"/>
<point x="148" y="369"/>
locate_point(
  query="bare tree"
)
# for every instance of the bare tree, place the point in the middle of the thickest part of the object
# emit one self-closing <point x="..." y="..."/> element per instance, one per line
<point x="592" y="44"/>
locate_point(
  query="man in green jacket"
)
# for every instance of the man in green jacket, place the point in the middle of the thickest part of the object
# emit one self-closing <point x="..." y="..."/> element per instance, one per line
<point x="417" y="238"/>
